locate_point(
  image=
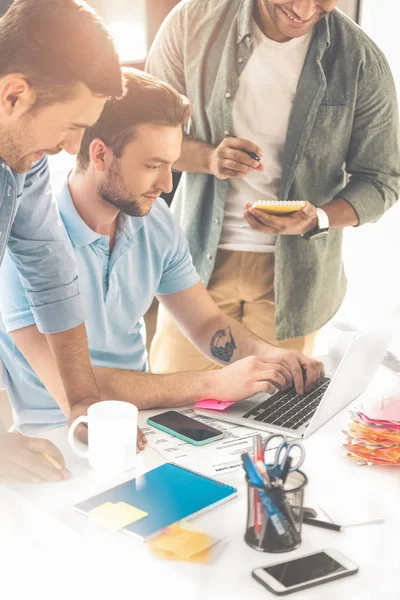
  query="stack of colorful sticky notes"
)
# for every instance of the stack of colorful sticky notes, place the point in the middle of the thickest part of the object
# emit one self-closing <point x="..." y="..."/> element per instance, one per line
<point x="181" y="542"/>
<point x="374" y="438"/>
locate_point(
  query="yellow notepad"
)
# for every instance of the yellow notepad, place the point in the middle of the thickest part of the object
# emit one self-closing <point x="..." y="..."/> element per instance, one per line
<point x="279" y="206"/>
<point x="115" y="516"/>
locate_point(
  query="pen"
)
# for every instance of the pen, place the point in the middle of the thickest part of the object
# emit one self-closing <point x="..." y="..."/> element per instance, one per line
<point x="252" y="155"/>
<point x="264" y="473"/>
<point x="309" y="512"/>
<point x="51" y="460"/>
<point x="286" y="469"/>
<point x="258" y="509"/>
<point x="322" y="524"/>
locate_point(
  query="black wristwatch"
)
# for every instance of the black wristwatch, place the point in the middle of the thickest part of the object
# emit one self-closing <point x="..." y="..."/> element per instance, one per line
<point x="322" y="227"/>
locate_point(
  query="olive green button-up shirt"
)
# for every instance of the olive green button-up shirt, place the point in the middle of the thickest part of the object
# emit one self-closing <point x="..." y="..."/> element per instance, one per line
<point x="342" y="141"/>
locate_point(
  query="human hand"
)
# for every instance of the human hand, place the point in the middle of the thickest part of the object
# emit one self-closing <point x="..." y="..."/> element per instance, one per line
<point x="228" y="159"/>
<point x="22" y="459"/>
<point x="141" y="440"/>
<point x="295" y="223"/>
<point x="247" y="377"/>
<point x="81" y="431"/>
<point x="78" y="410"/>
<point x="305" y="372"/>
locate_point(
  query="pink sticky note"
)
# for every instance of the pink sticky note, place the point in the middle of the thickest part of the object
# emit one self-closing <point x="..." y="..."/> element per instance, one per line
<point x="386" y="410"/>
<point x="212" y="404"/>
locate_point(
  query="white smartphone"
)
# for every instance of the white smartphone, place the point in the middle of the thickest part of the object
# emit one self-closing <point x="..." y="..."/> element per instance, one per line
<point x="303" y="572"/>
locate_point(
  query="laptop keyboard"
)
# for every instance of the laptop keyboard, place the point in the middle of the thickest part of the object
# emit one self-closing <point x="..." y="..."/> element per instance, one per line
<point x="287" y="408"/>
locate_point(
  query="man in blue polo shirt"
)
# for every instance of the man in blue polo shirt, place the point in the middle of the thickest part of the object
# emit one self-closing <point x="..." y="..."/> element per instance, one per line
<point x="129" y="248"/>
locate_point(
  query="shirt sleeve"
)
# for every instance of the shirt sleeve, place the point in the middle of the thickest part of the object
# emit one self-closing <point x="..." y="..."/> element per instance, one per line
<point x="42" y="253"/>
<point x="165" y="59"/>
<point x="179" y="272"/>
<point x="373" y="160"/>
<point x="15" y="310"/>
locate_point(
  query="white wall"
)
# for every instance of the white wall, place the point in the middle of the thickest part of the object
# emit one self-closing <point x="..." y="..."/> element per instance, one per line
<point x="380" y="20"/>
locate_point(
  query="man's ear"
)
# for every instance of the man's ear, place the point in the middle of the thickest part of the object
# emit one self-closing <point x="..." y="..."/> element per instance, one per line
<point x="17" y="96"/>
<point x="101" y="156"/>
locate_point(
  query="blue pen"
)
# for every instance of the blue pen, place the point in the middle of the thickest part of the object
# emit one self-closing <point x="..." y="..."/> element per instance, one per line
<point x="274" y="514"/>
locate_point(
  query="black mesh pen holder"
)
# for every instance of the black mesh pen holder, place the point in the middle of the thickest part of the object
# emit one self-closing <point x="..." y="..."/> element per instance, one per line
<point x="275" y="514"/>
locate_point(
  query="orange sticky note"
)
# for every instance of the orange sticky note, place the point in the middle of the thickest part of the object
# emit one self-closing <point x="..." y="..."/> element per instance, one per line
<point x="115" y="516"/>
<point x="179" y="543"/>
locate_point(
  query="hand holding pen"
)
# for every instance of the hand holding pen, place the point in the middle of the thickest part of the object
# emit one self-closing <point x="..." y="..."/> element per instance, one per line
<point x="234" y="158"/>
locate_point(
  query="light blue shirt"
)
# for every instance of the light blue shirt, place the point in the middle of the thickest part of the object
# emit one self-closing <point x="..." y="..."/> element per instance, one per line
<point x="31" y="228"/>
<point x="150" y="256"/>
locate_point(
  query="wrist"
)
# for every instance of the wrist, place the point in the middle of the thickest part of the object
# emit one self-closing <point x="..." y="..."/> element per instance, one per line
<point x="210" y="160"/>
<point x="321" y="229"/>
<point x="208" y="385"/>
<point x="312" y="225"/>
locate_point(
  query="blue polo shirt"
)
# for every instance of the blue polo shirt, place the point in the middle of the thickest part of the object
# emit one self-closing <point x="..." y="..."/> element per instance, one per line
<point x="150" y="256"/>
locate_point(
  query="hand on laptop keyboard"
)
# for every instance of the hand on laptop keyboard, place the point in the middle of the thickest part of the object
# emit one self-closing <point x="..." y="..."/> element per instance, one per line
<point x="248" y="376"/>
<point x="305" y="372"/>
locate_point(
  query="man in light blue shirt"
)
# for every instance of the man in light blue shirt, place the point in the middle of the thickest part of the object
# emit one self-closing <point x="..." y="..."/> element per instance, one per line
<point x="129" y="248"/>
<point x="53" y="84"/>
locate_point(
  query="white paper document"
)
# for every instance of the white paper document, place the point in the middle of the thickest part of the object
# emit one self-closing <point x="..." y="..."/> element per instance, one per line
<point x="216" y="458"/>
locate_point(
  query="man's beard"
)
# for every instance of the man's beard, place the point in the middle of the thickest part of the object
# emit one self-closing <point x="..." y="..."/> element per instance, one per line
<point x="114" y="191"/>
<point x="14" y="146"/>
<point x="271" y="9"/>
<point x="13" y="154"/>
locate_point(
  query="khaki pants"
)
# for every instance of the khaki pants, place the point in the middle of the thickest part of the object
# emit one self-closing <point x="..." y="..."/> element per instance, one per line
<point x="242" y="285"/>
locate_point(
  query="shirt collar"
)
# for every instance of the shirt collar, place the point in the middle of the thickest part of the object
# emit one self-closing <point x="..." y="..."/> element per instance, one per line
<point x="245" y="20"/>
<point x="323" y="34"/>
<point x="79" y="232"/>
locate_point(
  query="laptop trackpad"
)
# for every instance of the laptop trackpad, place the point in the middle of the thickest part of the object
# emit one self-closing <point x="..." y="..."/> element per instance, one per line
<point x="244" y="406"/>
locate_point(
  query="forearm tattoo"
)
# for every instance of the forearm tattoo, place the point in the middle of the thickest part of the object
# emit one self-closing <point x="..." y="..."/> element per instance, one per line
<point x="222" y="344"/>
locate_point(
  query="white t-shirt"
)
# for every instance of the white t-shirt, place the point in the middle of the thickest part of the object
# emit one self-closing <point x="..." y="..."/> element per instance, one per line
<point x="261" y="114"/>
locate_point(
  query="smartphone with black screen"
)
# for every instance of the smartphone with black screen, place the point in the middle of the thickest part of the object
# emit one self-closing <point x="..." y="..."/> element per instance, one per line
<point x="185" y="428"/>
<point x="303" y="572"/>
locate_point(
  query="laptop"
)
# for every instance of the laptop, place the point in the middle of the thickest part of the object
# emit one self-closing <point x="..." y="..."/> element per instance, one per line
<point x="299" y="416"/>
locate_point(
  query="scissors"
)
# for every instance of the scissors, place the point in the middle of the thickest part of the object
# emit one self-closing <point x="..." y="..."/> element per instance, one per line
<point x="289" y="456"/>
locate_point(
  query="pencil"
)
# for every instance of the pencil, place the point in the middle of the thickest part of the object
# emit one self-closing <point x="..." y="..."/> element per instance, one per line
<point x="51" y="460"/>
<point x="323" y="524"/>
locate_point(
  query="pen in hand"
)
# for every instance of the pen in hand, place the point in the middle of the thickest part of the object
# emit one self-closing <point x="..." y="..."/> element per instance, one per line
<point x="50" y="459"/>
<point x="252" y="155"/>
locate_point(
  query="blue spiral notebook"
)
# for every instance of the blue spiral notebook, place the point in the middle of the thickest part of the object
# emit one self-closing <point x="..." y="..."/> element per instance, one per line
<point x="168" y="494"/>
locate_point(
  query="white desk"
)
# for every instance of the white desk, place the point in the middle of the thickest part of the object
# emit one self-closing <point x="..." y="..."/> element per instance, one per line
<point x="49" y="544"/>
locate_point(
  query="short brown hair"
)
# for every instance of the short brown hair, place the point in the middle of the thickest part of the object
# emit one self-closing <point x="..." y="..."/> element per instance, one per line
<point x="146" y="100"/>
<point x="57" y="43"/>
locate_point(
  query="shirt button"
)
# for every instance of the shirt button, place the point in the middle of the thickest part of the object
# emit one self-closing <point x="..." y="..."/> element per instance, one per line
<point x="209" y="256"/>
<point x="228" y="95"/>
<point x="248" y="37"/>
<point x="226" y="132"/>
<point x="240" y="60"/>
<point x="216" y="220"/>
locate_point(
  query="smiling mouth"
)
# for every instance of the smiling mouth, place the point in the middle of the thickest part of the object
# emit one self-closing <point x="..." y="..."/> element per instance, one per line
<point x="296" y="20"/>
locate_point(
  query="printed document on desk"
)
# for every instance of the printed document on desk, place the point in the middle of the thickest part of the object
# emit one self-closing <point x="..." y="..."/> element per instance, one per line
<point x="216" y="458"/>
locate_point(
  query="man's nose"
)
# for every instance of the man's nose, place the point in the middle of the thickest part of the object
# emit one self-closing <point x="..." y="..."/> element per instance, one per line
<point x="72" y="142"/>
<point x="305" y="9"/>
<point x="165" y="182"/>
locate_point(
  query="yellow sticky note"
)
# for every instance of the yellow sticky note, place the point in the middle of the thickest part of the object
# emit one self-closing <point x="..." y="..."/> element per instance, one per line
<point x="114" y="516"/>
<point x="178" y="543"/>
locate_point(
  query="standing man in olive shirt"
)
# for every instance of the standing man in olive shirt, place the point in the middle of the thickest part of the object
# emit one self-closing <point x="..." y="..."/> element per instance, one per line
<point x="304" y="88"/>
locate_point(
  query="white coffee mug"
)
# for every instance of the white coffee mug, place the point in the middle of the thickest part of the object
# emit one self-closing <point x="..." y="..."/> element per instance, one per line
<point x="112" y="433"/>
<point x="341" y="336"/>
